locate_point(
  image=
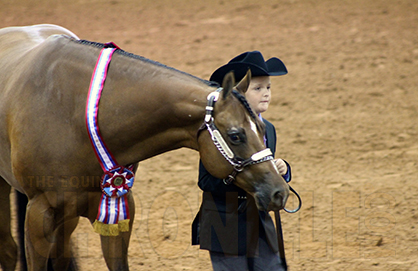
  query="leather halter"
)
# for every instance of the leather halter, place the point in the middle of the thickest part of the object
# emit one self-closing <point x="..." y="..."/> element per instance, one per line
<point x="238" y="163"/>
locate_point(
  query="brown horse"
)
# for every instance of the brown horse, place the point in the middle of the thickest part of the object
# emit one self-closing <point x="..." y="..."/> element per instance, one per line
<point x="146" y="109"/>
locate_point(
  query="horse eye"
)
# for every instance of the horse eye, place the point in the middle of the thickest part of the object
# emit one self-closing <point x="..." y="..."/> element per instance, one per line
<point x="236" y="137"/>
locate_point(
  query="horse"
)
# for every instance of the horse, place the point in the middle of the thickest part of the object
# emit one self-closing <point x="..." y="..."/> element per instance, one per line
<point x="146" y="108"/>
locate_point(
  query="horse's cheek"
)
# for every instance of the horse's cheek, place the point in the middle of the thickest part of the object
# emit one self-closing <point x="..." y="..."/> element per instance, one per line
<point x="211" y="158"/>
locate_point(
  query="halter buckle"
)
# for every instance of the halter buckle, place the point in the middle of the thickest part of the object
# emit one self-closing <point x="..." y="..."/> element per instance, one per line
<point x="212" y="98"/>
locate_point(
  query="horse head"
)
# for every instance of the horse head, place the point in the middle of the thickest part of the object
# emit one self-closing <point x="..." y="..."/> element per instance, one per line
<point x="232" y="146"/>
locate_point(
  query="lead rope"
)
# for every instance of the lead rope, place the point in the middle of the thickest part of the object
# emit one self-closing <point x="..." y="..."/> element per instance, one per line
<point x="299" y="199"/>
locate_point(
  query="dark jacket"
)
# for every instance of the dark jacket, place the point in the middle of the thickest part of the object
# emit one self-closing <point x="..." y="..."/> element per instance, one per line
<point x="228" y="220"/>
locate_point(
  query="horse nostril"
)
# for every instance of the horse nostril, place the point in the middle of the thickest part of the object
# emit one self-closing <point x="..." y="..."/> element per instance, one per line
<point x="279" y="198"/>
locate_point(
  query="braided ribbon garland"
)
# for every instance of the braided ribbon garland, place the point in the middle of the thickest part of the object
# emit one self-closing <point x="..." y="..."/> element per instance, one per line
<point x="113" y="214"/>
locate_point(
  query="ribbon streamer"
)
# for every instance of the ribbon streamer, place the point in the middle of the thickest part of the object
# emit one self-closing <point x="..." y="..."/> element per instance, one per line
<point x="113" y="213"/>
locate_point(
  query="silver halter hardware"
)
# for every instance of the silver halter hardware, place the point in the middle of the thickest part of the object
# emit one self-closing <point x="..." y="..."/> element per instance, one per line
<point x="222" y="146"/>
<point x="225" y="150"/>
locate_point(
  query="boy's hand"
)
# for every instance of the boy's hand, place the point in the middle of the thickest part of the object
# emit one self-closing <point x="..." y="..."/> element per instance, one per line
<point x="281" y="166"/>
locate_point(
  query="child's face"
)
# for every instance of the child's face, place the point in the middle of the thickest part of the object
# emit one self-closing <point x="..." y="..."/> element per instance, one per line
<point x="258" y="94"/>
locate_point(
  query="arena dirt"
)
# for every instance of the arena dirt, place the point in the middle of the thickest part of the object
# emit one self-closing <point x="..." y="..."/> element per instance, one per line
<point x="346" y="118"/>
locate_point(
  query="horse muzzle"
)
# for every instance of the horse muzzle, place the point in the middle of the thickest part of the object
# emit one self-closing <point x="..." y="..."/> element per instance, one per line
<point x="270" y="198"/>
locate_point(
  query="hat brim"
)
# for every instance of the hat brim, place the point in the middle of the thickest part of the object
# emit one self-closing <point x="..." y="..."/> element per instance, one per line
<point x="274" y="65"/>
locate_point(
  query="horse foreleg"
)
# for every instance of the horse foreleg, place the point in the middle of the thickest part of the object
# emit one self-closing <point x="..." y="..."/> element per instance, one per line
<point x="48" y="231"/>
<point x="21" y="204"/>
<point x="8" y="247"/>
<point x="39" y="232"/>
<point x="61" y="248"/>
<point x="115" y="248"/>
<point x="115" y="251"/>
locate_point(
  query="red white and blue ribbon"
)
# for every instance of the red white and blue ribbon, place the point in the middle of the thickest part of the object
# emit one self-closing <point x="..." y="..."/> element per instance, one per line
<point x="116" y="180"/>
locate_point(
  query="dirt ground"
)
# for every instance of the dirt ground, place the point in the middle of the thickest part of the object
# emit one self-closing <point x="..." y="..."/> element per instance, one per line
<point x="346" y="118"/>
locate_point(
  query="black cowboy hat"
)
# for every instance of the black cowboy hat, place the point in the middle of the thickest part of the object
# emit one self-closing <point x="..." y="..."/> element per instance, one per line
<point x="250" y="60"/>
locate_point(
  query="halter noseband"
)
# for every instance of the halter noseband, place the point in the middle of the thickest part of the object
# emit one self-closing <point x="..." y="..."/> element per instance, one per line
<point x="238" y="163"/>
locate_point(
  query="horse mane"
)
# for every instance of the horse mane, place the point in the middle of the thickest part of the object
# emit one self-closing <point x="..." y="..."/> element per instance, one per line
<point x="131" y="55"/>
<point x="238" y="95"/>
<point x="245" y="103"/>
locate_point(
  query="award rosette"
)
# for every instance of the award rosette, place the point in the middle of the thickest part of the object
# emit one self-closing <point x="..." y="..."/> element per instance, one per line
<point x="117" y="182"/>
<point x="113" y="214"/>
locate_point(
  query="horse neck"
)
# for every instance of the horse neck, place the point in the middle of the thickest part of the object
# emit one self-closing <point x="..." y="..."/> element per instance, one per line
<point x="147" y="109"/>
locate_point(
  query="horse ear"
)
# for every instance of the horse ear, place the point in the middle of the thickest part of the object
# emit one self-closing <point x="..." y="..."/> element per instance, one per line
<point x="243" y="85"/>
<point x="228" y="83"/>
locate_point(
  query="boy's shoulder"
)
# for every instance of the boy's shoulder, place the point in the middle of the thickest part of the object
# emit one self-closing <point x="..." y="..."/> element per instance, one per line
<point x="268" y="123"/>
